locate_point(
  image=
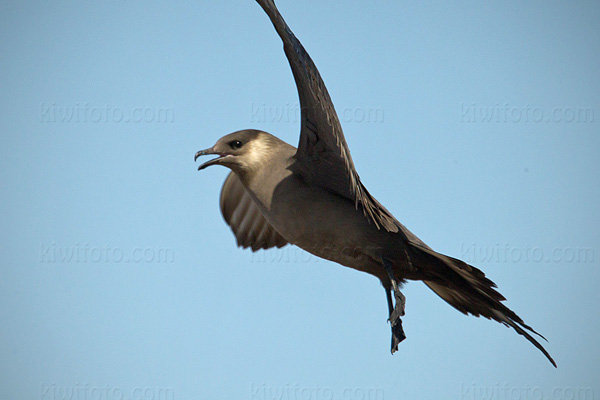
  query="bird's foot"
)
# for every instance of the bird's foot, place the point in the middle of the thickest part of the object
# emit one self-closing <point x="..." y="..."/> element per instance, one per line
<point x="396" y="310"/>
<point x="397" y="332"/>
<point x="400" y="303"/>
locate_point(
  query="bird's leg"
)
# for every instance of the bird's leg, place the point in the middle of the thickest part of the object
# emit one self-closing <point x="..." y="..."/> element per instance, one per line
<point x="397" y="311"/>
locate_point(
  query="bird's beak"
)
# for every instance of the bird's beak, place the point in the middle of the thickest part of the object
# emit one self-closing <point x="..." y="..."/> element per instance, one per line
<point x="209" y="152"/>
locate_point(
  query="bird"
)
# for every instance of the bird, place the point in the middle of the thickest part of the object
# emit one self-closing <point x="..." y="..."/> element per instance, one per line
<point x="312" y="197"/>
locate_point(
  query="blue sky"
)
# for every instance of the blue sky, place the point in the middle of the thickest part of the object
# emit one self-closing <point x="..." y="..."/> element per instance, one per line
<point x="475" y="123"/>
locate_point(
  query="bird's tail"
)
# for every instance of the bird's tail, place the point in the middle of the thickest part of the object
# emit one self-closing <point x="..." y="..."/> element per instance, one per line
<point x="467" y="289"/>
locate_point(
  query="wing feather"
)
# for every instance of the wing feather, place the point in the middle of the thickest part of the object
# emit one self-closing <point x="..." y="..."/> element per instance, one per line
<point x="323" y="158"/>
<point x="243" y="216"/>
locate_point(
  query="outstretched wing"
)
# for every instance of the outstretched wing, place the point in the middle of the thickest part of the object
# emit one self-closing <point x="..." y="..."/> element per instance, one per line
<point x="249" y="226"/>
<point x="323" y="158"/>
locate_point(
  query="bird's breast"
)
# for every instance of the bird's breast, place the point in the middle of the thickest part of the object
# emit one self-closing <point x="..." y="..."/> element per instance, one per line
<point x="320" y="222"/>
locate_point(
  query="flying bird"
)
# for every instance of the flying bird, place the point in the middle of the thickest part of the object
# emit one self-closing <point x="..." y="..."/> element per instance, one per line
<point x="312" y="197"/>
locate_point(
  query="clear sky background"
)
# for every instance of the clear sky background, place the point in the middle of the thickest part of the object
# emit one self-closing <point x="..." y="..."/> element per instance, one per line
<point x="475" y="123"/>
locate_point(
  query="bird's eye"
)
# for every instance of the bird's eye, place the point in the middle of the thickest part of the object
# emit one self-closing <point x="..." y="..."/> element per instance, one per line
<point x="235" y="144"/>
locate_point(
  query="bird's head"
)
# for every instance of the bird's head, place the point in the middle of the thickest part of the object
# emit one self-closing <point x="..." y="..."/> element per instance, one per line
<point x="240" y="151"/>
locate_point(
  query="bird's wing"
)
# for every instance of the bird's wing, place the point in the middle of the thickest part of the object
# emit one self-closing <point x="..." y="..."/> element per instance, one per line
<point x="323" y="158"/>
<point x="242" y="214"/>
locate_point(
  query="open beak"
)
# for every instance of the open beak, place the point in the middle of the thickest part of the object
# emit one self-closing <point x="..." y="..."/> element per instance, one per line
<point x="211" y="162"/>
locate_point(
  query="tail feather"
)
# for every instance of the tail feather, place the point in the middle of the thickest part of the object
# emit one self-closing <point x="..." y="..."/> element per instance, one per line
<point x="467" y="289"/>
<point x="508" y="322"/>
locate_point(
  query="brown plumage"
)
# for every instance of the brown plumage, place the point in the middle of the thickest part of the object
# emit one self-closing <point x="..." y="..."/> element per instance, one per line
<point x="313" y="197"/>
<point x="249" y="226"/>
